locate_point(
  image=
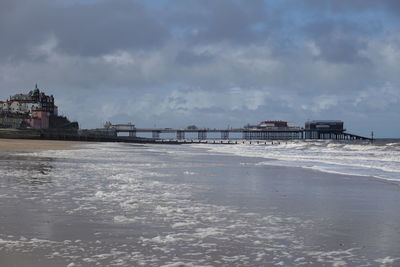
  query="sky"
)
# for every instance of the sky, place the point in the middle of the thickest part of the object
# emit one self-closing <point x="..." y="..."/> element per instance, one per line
<point x="174" y="63"/>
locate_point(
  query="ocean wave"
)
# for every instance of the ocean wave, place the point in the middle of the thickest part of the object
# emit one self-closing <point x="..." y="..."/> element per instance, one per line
<point x="362" y="159"/>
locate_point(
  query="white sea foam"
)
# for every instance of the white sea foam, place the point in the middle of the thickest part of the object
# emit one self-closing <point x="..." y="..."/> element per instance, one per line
<point x="380" y="161"/>
<point x="388" y="261"/>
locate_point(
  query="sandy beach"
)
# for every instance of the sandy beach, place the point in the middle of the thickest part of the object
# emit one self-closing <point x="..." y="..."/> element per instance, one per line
<point x="154" y="205"/>
<point x="28" y="145"/>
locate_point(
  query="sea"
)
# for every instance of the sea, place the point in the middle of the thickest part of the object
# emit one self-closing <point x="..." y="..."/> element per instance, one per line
<point x="380" y="159"/>
<point x="280" y="203"/>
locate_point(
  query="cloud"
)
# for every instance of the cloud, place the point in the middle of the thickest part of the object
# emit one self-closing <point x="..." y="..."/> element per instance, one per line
<point x="107" y="26"/>
<point x="392" y="6"/>
<point x="378" y="98"/>
<point x="321" y="102"/>
<point x="88" y="29"/>
<point x="229" y="100"/>
<point x="217" y="21"/>
<point x="207" y="62"/>
<point x="337" y="42"/>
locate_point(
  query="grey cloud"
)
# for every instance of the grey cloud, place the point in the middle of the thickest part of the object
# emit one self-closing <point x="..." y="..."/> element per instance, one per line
<point x="22" y="24"/>
<point x="215" y="21"/>
<point x="339" y="42"/>
<point x="211" y="63"/>
<point x="81" y="29"/>
<point x="341" y="49"/>
<point x="108" y="26"/>
<point x="378" y="98"/>
<point x="231" y="21"/>
<point x="188" y="57"/>
<point x="392" y="6"/>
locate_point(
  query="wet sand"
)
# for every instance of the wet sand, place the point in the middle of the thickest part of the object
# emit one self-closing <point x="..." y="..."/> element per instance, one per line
<point x="123" y="205"/>
<point x="28" y="145"/>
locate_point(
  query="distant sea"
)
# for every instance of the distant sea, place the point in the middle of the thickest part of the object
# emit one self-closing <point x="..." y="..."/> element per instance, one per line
<point x="294" y="203"/>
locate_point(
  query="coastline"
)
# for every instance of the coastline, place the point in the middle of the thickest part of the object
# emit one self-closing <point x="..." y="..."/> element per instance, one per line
<point x="30" y="144"/>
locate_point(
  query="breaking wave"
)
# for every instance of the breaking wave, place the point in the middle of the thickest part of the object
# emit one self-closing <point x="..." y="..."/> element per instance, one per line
<point x="380" y="160"/>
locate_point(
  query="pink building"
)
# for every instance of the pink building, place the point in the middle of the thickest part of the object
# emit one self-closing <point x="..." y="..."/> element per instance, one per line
<point x="39" y="119"/>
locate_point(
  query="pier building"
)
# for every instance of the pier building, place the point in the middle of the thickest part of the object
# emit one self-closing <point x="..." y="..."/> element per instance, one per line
<point x="324" y="129"/>
<point x="272" y="124"/>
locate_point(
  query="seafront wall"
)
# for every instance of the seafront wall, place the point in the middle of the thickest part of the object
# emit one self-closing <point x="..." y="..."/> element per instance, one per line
<point x="68" y="135"/>
<point x="19" y="134"/>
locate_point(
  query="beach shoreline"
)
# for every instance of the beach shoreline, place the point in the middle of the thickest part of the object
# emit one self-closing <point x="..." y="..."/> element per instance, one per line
<point x="31" y="144"/>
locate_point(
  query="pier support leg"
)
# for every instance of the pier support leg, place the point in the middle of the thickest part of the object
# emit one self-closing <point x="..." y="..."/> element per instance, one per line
<point x="202" y="135"/>
<point x="132" y="133"/>
<point x="224" y="135"/>
<point x="155" y="134"/>
<point x="180" y="135"/>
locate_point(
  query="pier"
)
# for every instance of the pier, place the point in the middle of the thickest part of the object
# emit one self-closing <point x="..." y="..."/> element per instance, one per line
<point x="179" y="136"/>
<point x="276" y="133"/>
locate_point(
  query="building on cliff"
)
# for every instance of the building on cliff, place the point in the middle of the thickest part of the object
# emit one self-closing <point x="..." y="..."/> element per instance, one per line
<point x="32" y="110"/>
